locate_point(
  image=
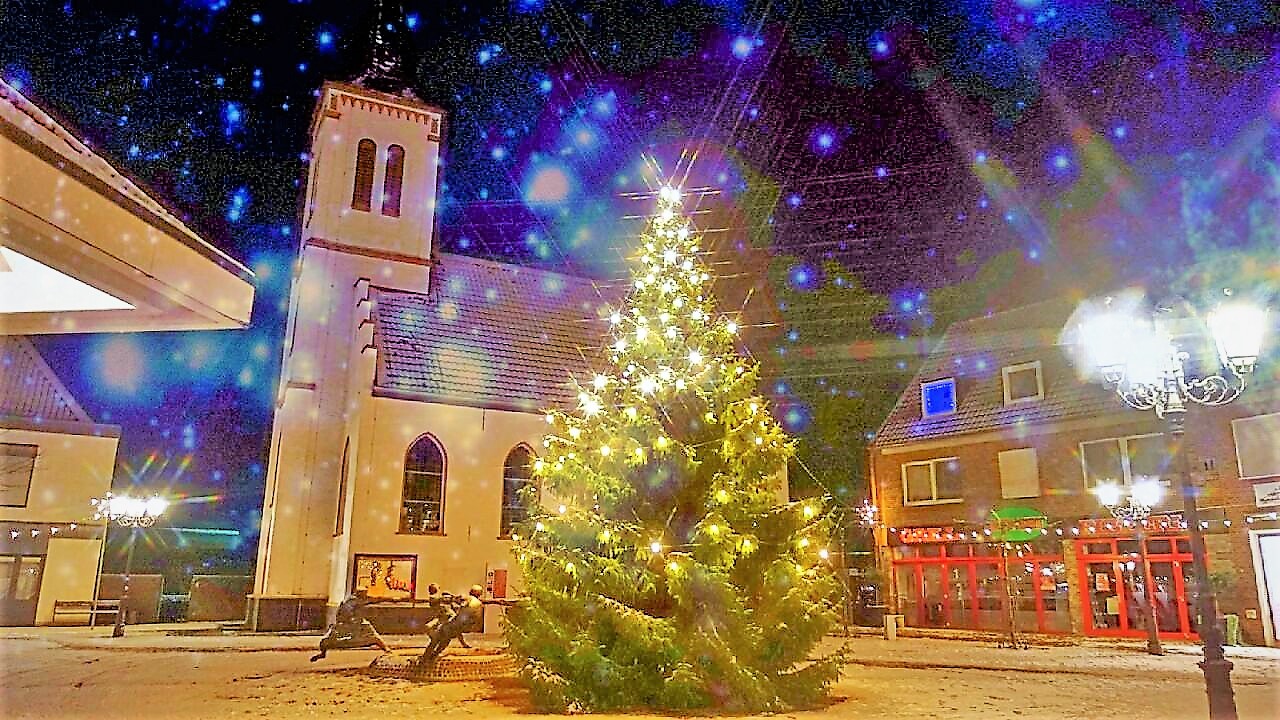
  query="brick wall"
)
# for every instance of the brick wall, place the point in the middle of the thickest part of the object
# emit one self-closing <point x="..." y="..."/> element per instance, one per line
<point x="1063" y="496"/>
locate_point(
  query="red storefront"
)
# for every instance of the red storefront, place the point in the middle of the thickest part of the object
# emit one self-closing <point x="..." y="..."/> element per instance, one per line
<point x="962" y="585"/>
<point x="951" y="579"/>
<point x="1114" y="580"/>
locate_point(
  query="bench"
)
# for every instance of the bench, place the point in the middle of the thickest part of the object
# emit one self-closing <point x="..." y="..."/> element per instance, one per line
<point x="85" y="607"/>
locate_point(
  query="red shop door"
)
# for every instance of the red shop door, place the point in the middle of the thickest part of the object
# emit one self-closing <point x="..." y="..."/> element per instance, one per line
<point x="1114" y="583"/>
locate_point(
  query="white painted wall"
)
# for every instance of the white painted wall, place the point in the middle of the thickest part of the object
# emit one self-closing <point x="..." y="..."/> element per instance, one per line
<point x="69" y="471"/>
<point x="70" y="573"/>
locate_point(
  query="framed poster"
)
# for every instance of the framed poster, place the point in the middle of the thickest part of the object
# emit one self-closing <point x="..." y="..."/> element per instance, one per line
<point x="386" y="576"/>
<point x="1267" y="494"/>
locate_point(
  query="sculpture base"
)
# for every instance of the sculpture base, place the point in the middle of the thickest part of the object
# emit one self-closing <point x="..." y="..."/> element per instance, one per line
<point x="456" y="664"/>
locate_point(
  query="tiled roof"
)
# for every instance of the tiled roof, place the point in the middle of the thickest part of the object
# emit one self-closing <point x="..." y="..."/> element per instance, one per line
<point x="974" y="352"/>
<point x="28" y="387"/>
<point x="489" y="335"/>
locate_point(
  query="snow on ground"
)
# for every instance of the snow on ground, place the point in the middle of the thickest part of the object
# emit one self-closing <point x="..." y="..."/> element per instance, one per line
<point x="79" y="673"/>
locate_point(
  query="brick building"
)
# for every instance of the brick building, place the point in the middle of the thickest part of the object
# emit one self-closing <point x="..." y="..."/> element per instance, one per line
<point x="999" y="417"/>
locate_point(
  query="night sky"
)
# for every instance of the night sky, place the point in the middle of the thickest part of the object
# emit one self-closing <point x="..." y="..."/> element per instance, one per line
<point x="894" y="147"/>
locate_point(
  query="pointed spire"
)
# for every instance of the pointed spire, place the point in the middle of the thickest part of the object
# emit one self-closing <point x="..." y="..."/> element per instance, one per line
<point x="387" y="69"/>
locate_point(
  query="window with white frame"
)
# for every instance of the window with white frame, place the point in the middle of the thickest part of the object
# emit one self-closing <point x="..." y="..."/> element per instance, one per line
<point x="931" y="482"/>
<point x="1258" y="445"/>
<point x="938" y="397"/>
<point x="1023" y="383"/>
<point x="17" y="464"/>
<point x="1124" y="459"/>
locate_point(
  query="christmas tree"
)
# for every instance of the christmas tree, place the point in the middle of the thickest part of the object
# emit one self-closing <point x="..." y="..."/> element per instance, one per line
<point x="663" y="569"/>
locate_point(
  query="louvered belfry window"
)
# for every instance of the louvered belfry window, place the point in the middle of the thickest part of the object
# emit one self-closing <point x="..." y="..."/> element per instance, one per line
<point x="362" y="193"/>
<point x="392" y="181"/>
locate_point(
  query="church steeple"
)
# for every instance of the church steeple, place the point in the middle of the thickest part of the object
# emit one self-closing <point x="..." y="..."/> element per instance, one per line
<point x="389" y="67"/>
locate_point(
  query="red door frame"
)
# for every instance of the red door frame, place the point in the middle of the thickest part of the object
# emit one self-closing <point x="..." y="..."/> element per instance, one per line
<point x="1116" y="560"/>
<point x="944" y="559"/>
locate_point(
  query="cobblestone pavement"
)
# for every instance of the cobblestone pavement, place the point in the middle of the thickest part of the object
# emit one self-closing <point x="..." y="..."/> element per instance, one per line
<point x="81" y="673"/>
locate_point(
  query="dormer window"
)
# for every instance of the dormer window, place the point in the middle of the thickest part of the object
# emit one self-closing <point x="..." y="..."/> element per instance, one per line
<point x="938" y="397"/>
<point x="1023" y="383"/>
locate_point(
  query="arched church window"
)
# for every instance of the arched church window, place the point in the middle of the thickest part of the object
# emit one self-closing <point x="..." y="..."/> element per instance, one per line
<point x="362" y="193"/>
<point x="517" y="474"/>
<point x="392" y="181"/>
<point x="422" y="503"/>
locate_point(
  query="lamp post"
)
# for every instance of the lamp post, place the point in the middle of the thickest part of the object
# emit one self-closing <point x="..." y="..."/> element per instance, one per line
<point x="1141" y="359"/>
<point x="135" y="514"/>
<point x="1143" y="495"/>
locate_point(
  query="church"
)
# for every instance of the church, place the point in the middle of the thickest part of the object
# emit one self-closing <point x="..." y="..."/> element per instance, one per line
<point x="412" y="391"/>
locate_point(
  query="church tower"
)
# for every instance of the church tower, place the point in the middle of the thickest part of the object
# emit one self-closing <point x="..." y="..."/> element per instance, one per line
<point x="368" y="218"/>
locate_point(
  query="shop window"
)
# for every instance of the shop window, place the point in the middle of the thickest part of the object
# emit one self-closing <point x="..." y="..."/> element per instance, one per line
<point x="1257" y="449"/>
<point x="362" y="191"/>
<point x="20" y="576"/>
<point x="422" y="504"/>
<point x="931" y="482"/>
<point x="17" y="465"/>
<point x="1019" y="473"/>
<point x="1023" y="383"/>
<point x="392" y="181"/>
<point x="1124" y="460"/>
<point x="517" y="474"/>
<point x="938" y="397"/>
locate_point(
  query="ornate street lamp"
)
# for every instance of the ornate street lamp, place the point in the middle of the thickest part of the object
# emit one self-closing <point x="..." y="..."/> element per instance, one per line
<point x="1144" y="494"/>
<point x="133" y="513"/>
<point x="128" y="511"/>
<point x="1140" y="357"/>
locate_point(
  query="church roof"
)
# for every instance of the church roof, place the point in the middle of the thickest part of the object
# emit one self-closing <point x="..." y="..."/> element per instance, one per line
<point x="28" y="387"/>
<point x="489" y="334"/>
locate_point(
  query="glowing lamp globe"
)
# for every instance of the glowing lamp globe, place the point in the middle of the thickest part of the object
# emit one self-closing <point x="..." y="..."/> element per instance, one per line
<point x="1147" y="492"/>
<point x="1148" y="350"/>
<point x="1108" y="493"/>
<point x="1237" y="329"/>
<point x="1104" y="336"/>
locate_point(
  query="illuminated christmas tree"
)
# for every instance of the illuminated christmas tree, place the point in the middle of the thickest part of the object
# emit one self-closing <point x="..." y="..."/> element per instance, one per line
<point x="663" y="568"/>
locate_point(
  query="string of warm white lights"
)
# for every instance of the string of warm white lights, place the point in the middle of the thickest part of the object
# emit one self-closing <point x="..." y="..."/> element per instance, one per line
<point x="1086" y="526"/>
<point x="51" y="530"/>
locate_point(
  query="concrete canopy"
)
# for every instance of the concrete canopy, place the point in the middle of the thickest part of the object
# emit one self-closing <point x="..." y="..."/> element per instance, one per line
<point x="84" y="249"/>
